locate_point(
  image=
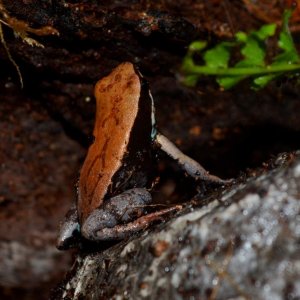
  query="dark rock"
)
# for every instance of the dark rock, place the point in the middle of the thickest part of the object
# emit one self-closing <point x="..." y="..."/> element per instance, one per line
<point x="38" y="168"/>
<point x="243" y="245"/>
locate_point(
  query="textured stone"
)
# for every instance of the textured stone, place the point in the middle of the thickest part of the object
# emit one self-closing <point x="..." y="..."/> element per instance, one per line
<point x="243" y="245"/>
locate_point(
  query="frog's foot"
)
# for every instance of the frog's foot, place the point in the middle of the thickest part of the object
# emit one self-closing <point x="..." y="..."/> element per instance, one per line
<point x="190" y="166"/>
<point x="122" y="216"/>
<point x="69" y="230"/>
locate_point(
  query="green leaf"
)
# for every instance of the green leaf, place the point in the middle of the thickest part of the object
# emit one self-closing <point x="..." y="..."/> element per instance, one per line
<point x="227" y="82"/>
<point x="262" y="81"/>
<point x="218" y="57"/>
<point x="241" y="37"/>
<point x="265" y="32"/>
<point x="191" y="80"/>
<point x="197" y="46"/>
<point x="254" y="50"/>
<point x="285" y="40"/>
<point x="253" y="64"/>
<point x="187" y="64"/>
<point x="286" y="43"/>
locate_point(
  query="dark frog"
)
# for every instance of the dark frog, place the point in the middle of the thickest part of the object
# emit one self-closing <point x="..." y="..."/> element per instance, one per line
<point x="117" y="173"/>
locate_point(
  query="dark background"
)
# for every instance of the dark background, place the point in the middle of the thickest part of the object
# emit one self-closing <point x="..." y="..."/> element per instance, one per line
<point x="45" y="128"/>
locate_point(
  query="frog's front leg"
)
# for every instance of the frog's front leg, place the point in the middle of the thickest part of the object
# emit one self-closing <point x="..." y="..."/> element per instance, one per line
<point x="190" y="166"/>
<point x="69" y="230"/>
<point x="121" y="216"/>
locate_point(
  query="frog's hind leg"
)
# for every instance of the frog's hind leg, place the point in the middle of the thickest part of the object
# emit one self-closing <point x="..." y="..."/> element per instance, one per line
<point x="190" y="166"/>
<point x="122" y="216"/>
<point x="119" y="232"/>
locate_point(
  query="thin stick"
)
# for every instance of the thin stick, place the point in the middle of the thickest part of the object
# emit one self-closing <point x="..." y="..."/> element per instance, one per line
<point x="10" y="56"/>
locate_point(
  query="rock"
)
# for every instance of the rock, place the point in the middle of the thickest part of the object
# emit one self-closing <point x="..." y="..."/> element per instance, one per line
<point x="244" y="244"/>
<point x="38" y="167"/>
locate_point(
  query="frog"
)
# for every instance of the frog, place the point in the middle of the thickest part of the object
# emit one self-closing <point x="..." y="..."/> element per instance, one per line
<point x="115" y="181"/>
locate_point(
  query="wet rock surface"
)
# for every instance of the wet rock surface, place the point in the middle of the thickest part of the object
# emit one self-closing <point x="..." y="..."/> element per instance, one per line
<point x="244" y="244"/>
